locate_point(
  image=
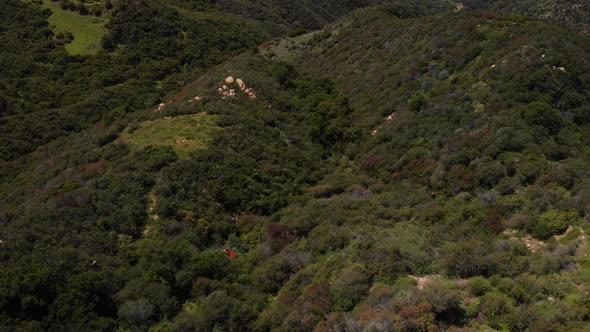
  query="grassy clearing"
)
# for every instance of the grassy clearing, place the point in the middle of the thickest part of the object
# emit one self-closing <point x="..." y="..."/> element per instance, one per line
<point x="184" y="133"/>
<point x="87" y="30"/>
<point x="288" y="49"/>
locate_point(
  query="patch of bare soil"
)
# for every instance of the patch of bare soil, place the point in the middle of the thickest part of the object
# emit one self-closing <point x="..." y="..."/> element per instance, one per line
<point x="530" y="242"/>
<point x="152" y="201"/>
<point x="423" y="281"/>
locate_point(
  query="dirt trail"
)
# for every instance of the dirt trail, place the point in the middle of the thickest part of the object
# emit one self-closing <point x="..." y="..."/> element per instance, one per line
<point x="534" y="245"/>
<point x="567" y="232"/>
<point x="152" y="216"/>
<point x="584" y="247"/>
<point x="530" y="242"/>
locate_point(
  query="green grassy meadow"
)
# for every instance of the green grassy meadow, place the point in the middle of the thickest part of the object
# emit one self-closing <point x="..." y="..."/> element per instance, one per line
<point x="87" y="30"/>
<point x="184" y="133"/>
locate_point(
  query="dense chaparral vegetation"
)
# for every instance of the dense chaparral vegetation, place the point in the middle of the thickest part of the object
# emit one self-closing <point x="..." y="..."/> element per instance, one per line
<point x="403" y="166"/>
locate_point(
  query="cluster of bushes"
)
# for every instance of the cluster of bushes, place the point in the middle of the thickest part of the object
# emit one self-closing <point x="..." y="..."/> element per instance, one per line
<point x="83" y="9"/>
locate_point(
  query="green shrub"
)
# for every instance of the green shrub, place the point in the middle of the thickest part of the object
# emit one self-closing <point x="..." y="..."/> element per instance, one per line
<point x="544" y="115"/>
<point x="466" y="259"/>
<point x="350" y="286"/>
<point x="496" y="308"/>
<point x="553" y="222"/>
<point x="157" y="156"/>
<point x="445" y="302"/>
<point x="416" y="103"/>
<point x="489" y="173"/>
<point x="478" y="286"/>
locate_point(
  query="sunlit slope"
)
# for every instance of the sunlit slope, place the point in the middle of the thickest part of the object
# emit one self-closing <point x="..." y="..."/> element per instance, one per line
<point x="184" y="133"/>
<point x="87" y="30"/>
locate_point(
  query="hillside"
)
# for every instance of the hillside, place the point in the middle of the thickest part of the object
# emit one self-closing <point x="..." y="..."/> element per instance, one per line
<point x="556" y="10"/>
<point x="453" y="119"/>
<point x="409" y="166"/>
<point x="151" y="48"/>
<point x="86" y="30"/>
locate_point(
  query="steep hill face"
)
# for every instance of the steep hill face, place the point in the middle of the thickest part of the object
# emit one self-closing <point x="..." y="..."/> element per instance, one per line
<point x="575" y="11"/>
<point x="382" y="65"/>
<point x="302" y="14"/>
<point x="414" y="166"/>
<point x="151" y="48"/>
<point x="456" y="110"/>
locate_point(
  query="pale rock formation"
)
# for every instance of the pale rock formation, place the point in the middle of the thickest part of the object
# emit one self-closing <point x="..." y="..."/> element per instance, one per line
<point x="241" y="84"/>
<point x="226" y="91"/>
<point x="391" y="116"/>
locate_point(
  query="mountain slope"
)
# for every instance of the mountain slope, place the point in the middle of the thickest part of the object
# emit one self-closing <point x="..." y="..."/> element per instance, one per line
<point x="463" y="115"/>
<point x="407" y="168"/>
<point x="562" y="11"/>
<point x="152" y="49"/>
